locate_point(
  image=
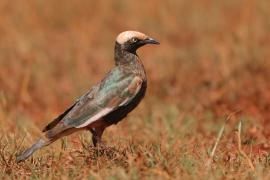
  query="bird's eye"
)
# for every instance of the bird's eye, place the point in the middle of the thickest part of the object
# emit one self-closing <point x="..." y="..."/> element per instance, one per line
<point x="134" y="40"/>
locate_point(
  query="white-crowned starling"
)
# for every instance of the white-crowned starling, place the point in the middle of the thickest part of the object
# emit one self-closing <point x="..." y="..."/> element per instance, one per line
<point x="106" y="103"/>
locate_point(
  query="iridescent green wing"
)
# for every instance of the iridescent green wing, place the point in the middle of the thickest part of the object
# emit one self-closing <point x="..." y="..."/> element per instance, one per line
<point x="116" y="90"/>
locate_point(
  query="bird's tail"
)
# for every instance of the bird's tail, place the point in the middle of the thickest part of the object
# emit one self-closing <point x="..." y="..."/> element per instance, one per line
<point x="28" y="152"/>
<point x="48" y="137"/>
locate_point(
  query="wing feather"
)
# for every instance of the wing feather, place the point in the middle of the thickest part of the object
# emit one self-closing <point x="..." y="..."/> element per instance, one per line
<point x="58" y="119"/>
<point x="109" y="97"/>
<point x="82" y="100"/>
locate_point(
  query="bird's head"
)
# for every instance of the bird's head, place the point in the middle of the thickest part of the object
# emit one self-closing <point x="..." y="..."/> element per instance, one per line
<point x="132" y="40"/>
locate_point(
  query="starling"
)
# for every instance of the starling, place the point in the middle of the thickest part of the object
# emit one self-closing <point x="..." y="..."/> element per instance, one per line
<point x="106" y="103"/>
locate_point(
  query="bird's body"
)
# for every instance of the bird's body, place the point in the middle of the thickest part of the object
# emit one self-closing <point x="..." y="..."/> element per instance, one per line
<point x="106" y="103"/>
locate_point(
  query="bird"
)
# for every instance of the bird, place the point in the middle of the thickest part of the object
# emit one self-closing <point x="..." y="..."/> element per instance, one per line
<point x="107" y="102"/>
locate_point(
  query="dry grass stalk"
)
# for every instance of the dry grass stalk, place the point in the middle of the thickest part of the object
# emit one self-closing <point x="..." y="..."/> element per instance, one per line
<point x="220" y="133"/>
<point x="240" y="147"/>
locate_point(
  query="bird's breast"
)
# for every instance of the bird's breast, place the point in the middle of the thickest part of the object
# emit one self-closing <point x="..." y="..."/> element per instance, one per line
<point x="117" y="115"/>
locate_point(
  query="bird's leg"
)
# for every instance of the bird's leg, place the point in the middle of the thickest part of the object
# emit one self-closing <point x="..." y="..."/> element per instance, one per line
<point x="96" y="135"/>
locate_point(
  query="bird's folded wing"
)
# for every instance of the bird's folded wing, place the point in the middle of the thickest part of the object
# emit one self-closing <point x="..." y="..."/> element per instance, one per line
<point x="112" y="94"/>
<point x="82" y="100"/>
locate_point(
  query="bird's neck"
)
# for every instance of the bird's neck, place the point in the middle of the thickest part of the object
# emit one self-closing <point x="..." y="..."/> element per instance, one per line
<point x="123" y="57"/>
<point x="129" y="60"/>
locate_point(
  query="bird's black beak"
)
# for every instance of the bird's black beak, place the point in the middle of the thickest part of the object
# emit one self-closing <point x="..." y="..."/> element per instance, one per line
<point x="150" y="41"/>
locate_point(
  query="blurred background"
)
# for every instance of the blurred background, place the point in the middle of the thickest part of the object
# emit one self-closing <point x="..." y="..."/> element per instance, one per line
<point x="213" y="60"/>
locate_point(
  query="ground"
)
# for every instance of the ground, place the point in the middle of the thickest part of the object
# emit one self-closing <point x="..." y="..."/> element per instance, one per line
<point x="210" y="73"/>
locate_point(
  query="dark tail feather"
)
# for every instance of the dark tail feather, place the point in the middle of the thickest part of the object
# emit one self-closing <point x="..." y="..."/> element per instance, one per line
<point x="27" y="153"/>
<point x="50" y="136"/>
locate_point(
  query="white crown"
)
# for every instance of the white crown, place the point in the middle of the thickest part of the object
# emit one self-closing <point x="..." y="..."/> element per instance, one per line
<point x="127" y="35"/>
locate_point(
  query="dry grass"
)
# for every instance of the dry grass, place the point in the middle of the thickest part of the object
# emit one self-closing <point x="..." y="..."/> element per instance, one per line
<point x="213" y="60"/>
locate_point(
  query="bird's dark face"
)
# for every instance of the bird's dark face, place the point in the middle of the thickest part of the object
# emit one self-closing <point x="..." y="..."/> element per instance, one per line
<point x="132" y="40"/>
